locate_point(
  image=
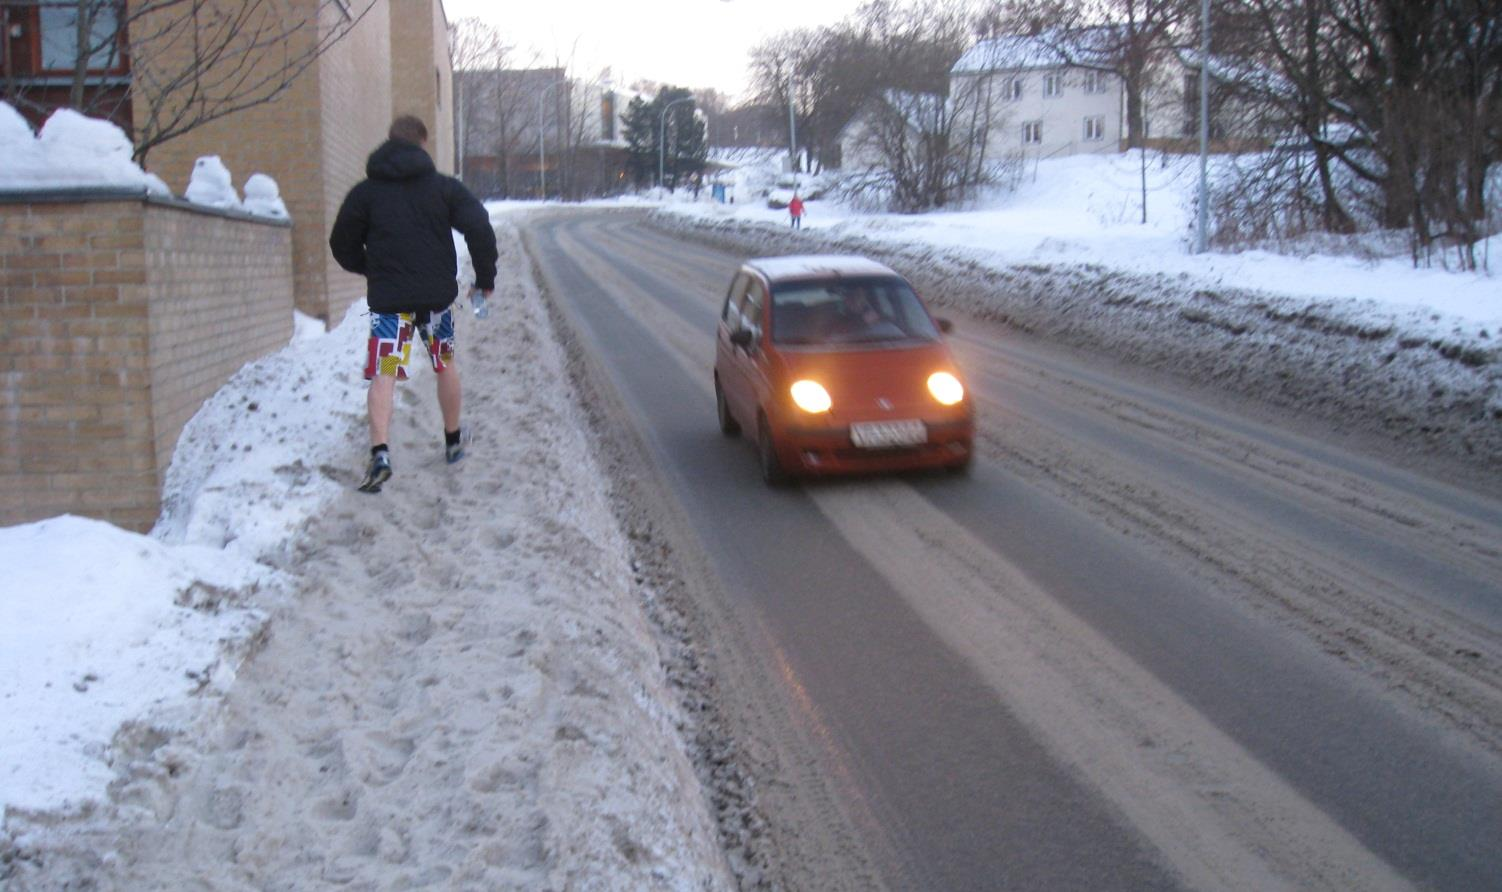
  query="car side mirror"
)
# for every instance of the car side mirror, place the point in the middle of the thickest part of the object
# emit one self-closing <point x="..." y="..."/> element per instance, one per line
<point x="945" y="325"/>
<point x="741" y="337"/>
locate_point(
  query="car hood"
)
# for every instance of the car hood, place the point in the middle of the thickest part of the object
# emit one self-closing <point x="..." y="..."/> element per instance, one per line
<point x="860" y="380"/>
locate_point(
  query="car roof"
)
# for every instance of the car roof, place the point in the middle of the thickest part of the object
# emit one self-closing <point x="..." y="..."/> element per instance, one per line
<point x="816" y="266"/>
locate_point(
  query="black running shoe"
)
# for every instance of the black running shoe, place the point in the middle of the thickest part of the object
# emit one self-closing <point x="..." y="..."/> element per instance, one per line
<point x="377" y="473"/>
<point x="455" y="451"/>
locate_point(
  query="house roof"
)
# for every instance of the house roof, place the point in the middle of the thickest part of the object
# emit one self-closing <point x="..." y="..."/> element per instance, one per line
<point x="1054" y="48"/>
<point x="921" y="111"/>
<point x="1240" y="73"/>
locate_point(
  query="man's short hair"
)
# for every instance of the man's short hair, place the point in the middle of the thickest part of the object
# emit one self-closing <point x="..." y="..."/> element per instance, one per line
<point x="408" y="128"/>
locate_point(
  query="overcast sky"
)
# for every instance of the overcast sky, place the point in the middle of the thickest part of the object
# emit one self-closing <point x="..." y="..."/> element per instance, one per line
<point x="690" y="43"/>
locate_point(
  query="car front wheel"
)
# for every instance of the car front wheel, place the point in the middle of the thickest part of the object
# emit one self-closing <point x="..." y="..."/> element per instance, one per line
<point x="728" y="425"/>
<point x="772" y="472"/>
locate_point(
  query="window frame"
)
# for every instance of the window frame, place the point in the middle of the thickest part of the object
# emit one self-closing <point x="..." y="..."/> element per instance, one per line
<point x="32" y="21"/>
<point x="1053" y="85"/>
<point x="1035" y="128"/>
<point x="1099" y="122"/>
<point x="733" y="295"/>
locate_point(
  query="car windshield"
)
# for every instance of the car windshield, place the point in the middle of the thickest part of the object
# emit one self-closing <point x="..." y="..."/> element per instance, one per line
<point x="848" y="311"/>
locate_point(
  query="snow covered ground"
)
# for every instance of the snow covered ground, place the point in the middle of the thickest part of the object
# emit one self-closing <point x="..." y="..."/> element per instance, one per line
<point x="450" y="683"/>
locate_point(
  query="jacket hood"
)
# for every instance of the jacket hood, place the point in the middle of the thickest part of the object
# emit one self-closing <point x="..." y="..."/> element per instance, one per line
<point x="398" y="160"/>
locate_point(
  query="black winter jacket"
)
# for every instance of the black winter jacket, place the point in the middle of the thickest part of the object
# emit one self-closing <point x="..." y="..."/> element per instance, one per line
<point x="393" y="229"/>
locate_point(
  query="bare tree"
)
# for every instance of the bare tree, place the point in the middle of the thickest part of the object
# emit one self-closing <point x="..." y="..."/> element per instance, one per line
<point x="834" y="71"/>
<point x="1396" y="109"/>
<point x="474" y="45"/>
<point x="918" y="151"/>
<point x="196" y="61"/>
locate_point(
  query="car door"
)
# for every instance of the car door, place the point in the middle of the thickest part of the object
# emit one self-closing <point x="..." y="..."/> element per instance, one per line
<point x="728" y="357"/>
<point x="756" y="377"/>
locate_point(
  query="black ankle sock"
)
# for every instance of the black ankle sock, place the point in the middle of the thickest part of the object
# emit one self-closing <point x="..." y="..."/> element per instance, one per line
<point x="379" y="447"/>
<point x="451" y="437"/>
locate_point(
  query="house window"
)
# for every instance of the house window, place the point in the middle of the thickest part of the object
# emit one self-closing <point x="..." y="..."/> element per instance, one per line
<point x="1012" y="89"/>
<point x="58" y="38"/>
<point x="1095" y="128"/>
<point x="1095" y="82"/>
<point x="1032" y="132"/>
<point x="1053" y="85"/>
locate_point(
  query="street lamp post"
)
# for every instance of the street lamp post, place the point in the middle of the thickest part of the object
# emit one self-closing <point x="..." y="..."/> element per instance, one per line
<point x="542" y="154"/>
<point x="662" y="136"/>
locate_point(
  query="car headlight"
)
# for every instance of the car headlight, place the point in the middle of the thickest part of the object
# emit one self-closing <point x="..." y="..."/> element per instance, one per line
<point x="946" y="388"/>
<point x="810" y="396"/>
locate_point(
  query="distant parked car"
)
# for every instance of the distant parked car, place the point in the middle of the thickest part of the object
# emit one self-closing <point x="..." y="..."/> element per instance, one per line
<point x="834" y="365"/>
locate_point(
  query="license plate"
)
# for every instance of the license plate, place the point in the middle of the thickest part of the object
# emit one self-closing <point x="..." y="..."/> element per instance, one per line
<point x="886" y="434"/>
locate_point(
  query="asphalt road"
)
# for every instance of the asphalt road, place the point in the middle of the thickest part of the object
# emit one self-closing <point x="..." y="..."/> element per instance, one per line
<point x="1149" y="642"/>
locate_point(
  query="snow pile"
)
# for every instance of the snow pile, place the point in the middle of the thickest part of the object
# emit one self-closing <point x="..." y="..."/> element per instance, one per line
<point x="264" y="197"/>
<point x="210" y="185"/>
<point x="100" y="627"/>
<point x="70" y="151"/>
<point x="265" y="439"/>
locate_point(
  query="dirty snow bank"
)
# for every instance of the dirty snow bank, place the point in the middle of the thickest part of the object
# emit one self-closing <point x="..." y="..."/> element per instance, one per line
<point x="1412" y="355"/>
<point x="458" y="688"/>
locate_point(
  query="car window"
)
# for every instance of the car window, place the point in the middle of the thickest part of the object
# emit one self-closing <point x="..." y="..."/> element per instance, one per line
<point x="729" y="312"/>
<point x="849" y="311"/>
<point x="753" y="306"/>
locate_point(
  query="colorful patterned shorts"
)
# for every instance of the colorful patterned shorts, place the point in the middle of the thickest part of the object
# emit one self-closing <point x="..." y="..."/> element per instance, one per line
<point x="391" y="342"/>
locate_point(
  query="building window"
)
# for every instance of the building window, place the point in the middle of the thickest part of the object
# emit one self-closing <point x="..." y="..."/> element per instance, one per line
<point x="1032" y="132"/>
<point x="1053" y="85"/>
<point x="1012" y="89"/>
<point x="1095" y="82"/>
<point x="57" y="28"/>
<point x="1095" y="128"/>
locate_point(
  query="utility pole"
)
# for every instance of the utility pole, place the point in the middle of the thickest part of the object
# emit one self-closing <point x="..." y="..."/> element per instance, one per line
<point x="1202" y="240"/>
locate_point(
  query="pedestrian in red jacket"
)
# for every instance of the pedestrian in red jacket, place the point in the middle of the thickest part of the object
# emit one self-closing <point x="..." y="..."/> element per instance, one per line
<point x="795" y="208"/>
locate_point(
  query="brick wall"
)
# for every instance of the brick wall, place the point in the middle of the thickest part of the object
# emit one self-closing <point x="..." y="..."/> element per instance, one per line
<point x="124" y="316"/>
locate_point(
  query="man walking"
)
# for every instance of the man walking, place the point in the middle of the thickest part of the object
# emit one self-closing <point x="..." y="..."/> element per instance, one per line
<point x="394" y="229"/>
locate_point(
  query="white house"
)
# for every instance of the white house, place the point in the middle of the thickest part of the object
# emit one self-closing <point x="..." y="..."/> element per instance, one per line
<point x="1038" y="105"/>
<point x="1043" y="103"/>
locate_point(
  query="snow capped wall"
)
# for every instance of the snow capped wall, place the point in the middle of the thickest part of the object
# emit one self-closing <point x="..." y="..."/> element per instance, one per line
<point x="76" y="151"/>
<point x="71" y="150"/>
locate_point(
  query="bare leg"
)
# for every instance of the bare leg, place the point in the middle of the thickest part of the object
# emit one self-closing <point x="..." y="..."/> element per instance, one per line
<point x="449" y="396"/>
<point x="379" y="402"/>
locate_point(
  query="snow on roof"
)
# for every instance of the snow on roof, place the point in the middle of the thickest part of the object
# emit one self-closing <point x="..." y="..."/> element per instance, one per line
<point x="1047" y="49"/>
<point x="808" y="266"/>
<point x="1239" y="72"/>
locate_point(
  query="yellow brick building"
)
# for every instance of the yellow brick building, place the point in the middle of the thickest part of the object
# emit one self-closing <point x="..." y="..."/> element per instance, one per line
<point x="380" y="58"/>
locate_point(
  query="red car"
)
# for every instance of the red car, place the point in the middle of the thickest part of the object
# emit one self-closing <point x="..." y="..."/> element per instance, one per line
<point x="834" y="365"/>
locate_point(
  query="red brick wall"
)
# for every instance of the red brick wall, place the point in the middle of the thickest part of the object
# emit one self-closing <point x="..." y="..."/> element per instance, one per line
<point x="121" y="317"/>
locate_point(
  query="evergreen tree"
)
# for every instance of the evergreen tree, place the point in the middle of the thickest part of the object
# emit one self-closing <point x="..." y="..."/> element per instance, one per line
<point x="641" y="141"/>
